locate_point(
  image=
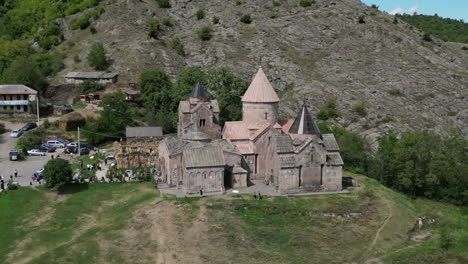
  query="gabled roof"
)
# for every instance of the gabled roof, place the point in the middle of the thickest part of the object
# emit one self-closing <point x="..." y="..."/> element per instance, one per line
<point x="204" y="157"/>
<point x="284" y="143"/>
<point x="261" y="130"/>
<point x="334" y="159"/>
<point x="16" y="89"/>
<point x="143" y="132"/>
<point x="330" y="142"/>
<point x="238" y="169"/>
<point x="236" y="130"/>
<point x="199" y="91"/>
<point x="90" y="75"/>
<point x="304" y="123"/>
<point x="260" y="90"/>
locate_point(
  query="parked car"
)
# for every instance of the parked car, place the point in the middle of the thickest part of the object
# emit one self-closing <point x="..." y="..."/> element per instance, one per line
<point x="72" y="144"/>
<point x="29" y="126"/>
<point x="47" y="148"/>
<point x="84" y="150"/>
<point x="36" y="152"/>
<point x="56" y="143"/>
<point x="15" y="155"/>
<point x="84" y="145"/>
<point x="16" y="133"/>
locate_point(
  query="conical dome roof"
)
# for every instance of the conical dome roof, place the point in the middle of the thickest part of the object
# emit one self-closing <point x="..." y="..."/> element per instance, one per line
<point x="199" y="91"/>
<point x="260" y="90"/>
<point x="304" y="123"/>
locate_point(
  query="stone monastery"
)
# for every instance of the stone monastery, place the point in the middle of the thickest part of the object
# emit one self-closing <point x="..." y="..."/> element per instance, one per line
<point x="291" y="155"/>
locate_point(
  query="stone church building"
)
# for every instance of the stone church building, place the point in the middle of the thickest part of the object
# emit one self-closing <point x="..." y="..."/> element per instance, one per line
<point x="291" y="155"/>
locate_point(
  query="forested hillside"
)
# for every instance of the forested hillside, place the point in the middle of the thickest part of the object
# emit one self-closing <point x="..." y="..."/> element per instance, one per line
<point x="444" y="28"/>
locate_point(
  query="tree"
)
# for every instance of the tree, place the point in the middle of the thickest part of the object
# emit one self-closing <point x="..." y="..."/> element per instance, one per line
<point x="57" y="171"/>
<point x="156" y="90"/>
<point x="227" y="88"/>
<point x="164" y="3"/>
<point x="23" y="71"/>
<point x="97" y="57"/>
<point x="306" y="3"/>
<point x="200" y="14"/>
<point x="89" y="87"/>
<point x="113" y="120"/>
<point x="246" y="19"/>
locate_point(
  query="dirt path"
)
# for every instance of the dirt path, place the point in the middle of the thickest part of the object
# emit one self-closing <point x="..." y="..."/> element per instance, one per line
<point x="377" y="235"/>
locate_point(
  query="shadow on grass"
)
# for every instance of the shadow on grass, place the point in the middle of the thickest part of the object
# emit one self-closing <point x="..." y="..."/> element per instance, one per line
<point x="71" y="188"/>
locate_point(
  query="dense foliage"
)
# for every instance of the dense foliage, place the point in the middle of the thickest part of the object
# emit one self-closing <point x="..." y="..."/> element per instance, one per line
<point x="89" y="87"/>
<point x="162" y="97"/>
<point x="57" y="171"/>
<point x="97" y="57"/>
<point x="113" y="120"/>
<point x="444" y="28"/>
<point x="424" y="164"/>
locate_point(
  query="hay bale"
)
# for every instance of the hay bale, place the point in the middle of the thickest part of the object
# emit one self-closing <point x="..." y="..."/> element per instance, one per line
<point x="72" y="121"/>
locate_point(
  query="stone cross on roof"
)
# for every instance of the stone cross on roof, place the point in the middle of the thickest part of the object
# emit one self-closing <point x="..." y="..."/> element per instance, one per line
<point x="304" y="123"/>
<point x="260" y="90"/>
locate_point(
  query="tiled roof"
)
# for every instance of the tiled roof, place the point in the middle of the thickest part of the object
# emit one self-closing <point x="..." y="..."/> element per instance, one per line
<point x="330" y="142"/>
<point x="261" y="130"/>
<point x="236" y="130"/>
<point x="90" y="75"/>
<point x="284" y="143"/>
<point x="334" y="159"/>
<point x="16" y="89"/>
<point x="304" y="123"/>
<point x="287" y="125"/>
<point x="287" y="162"/>
<point x="195" y="134"/>
<point x="260" y="90"/>
<point x="203" y="157"/>
<point x="246" y="148"/>
<point x="238" y="169"/>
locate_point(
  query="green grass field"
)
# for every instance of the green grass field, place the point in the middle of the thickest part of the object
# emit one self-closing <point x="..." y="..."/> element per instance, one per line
<point x="132" y="223"/>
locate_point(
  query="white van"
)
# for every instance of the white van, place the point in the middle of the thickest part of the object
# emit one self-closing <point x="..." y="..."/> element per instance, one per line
<point x="56" y="143"/>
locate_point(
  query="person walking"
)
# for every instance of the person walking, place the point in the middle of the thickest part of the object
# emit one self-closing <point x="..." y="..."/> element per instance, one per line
<point x="201" y="192"/>
<point x="16" y="173"/>
<point x="2" y="185"/>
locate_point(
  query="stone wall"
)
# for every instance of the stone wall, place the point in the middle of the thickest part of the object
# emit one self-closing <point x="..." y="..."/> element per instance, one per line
<point x="137" y="153"/>
<point x="259" y="112"/>
<point x="210" y="179"/>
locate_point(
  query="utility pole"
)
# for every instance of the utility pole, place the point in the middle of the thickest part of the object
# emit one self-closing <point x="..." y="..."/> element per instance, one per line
<point x="37" y="109"/>
<point x="79" y="147"/>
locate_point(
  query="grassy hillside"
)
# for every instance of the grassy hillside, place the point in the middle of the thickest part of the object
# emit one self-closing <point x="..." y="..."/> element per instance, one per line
<point x="443" y="28"/>
<point x="131" y="223"/>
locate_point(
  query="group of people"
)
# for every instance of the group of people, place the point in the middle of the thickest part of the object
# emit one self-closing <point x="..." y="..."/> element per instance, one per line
<point x="257" y="196"/>
<point x="2" y="179"/>
<point x="91" y="166"/>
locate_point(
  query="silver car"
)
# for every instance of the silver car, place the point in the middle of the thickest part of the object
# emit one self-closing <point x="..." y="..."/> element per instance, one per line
<point x="36" y="152"/>
<point x="16" y="133"/>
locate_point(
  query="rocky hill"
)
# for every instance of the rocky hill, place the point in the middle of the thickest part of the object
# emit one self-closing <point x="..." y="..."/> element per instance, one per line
<point x="309" y="54"/>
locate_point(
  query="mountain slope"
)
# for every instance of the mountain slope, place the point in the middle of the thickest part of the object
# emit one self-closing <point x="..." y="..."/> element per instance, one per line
<point x="308" y="53"/>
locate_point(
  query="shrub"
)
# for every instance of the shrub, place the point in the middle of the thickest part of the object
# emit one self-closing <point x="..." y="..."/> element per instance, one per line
<point x="89" y="87"/>
<point x="395" y="20"/>
<point x="395" y="92"/>
<point x="465" y="48"/>
<point x="427" y="37"/>
<point x="2" y="128"/>
<point x="246" y="19"/>
<point x="330" y="111"/>
<point x="93" y="30"/>
<point x="205" y="33"/>
<point x="306" y="3"/>
<point x="49" y="36"/>
<point x="178" y="46"/>
<point x="273" y="14"/>
<point x="238" y="2"/>
<point x="80" y="23"/>
<point x="360" y="109"/>
<point x="97" y="57"/>
<point x="154" y="28"/>
<point x="322" y="115"/>
<point x="76" y="59"/>
<point x="276" y="3"/>
<point x="215" y="20"/>
<point x="361" y="20"/>
<point x="46" y="124"/>
<point x="164" y="3"/>
<point x="375" y="6"/>
<point x="200" y="14"/>
<point x="57" y="171"/>
<point x="167" y="22"/>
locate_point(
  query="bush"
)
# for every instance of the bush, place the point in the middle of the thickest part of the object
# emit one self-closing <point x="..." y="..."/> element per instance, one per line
<point x="272" y="14"/>
<point x="465" y="48"/>
<point x="164" y="3"/>
<point x="178" y="46"/>
<point x="330" y="111"/>
<point x="246" y="19"/>
<point x="375" y="6"/>
<point x="89" y="87"/>
<point x="306" y="3"/>
<point x="427" y="37"/>
<point x="200" y="14"/>
<point x="205" y="33"/>
<point x="154" y="28"/>
<point x="49" y="36"/>
<point x="238" y="2"/>
<point x="360" y="109"/>
<point x="167" y="22"/>
<point x="30" y="140"/>
<point x="395" y="20"/>
<point x="2" y="128"/>
<point x="57" y="171"/>
<point x="361" y="20"/>
<point x="97" y="57"/>
<point x="76" y="59"/>
<point x="93" y="30"/>
<point x="46" y="124"/>
<point x="80" y="23"/>
<point x="276" y="3"/>
<point x="215" y="20"/>
<point x="395" y="92"/>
